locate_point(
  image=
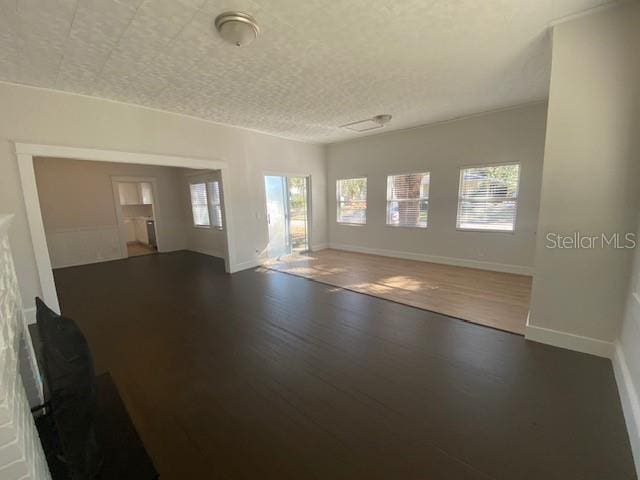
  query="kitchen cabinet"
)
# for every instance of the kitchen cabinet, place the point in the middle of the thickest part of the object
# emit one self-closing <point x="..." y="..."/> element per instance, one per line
<point x="140" y="227"/>
<point x="135" y="193"/>
<point x="146" y="193"/>
<point x="128" y="193"/>
<point x="131" y="230"/>
<point x="137" y="230"/>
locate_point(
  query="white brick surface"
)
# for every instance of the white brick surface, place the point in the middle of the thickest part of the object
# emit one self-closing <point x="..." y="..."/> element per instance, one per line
<point x="21" y="455"/>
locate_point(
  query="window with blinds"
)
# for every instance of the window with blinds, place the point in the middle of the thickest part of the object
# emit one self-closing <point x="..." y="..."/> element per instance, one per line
<point x="200" y="204"/>
<point x="488" y="198"/>
<point x="351" y="199"/>
<point x="206" y="204"/>
<point x="408" y="200"/>
<point x="216" y="205"/>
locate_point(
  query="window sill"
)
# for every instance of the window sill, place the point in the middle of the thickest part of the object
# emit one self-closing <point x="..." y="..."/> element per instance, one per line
<point x="346" y="224"/>
<point x="485" y="230"/>
<point x="204" y="227"/>
<point x="416" y="227"/>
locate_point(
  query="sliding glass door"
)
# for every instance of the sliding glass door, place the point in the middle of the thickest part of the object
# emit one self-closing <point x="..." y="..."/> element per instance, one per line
<point x="287" y="214"/>
<point x="298" y="213"/>
<point x="277" y="216"/>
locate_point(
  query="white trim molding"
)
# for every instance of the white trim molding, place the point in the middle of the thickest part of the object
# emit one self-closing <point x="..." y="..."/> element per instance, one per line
<point x="636" y="297"/>
<point x="584" y="13"/>
<point x="29" y="315"/>
<point x="238" y="267"/>
<point x="570" y="341"/>
<point x="25" y="153"/>
<point x="629" y="400"/>
<point x="421" y="257"/>
<point x="210" y="253"/>
<point x="319" y="246"/>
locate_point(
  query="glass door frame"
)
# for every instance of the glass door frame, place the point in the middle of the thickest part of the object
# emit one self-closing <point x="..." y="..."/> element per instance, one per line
<point x="277" y="203"/>
<point x="286" y="177"/>
<point x="307" y="182"/>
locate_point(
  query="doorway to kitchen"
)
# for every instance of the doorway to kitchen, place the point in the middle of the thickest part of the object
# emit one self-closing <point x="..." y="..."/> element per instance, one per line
<point x="136" y="211"/>
<point x="287" y="214"/>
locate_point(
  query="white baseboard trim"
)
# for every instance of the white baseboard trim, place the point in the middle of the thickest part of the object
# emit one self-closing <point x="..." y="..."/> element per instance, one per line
<point x="319" y="246"/>
<point x="421" y="257"/>
<point x="569" y="341"/>
<point x="120" y="257"/>
<point x="238" y="267"/>
<point x="90" y="262"/>
<point x="211" y="253"/>
<point x="29" y="315"/>
<point x="629" y="400"/>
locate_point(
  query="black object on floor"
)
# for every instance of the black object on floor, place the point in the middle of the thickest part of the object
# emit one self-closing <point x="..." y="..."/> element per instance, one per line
<point x="125" y="457"/>
<point x="70" y="377"/>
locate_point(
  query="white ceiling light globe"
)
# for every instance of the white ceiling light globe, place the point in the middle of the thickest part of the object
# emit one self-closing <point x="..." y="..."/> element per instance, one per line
<point x="237" y="28"/>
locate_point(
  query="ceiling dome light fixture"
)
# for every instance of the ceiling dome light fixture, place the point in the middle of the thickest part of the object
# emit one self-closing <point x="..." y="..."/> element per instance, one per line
<point x="237" y="28"/>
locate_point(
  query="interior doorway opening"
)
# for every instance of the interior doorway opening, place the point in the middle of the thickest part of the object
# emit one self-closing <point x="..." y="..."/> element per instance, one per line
<point x="136" y="211"/>
<point x="287" y="214"/>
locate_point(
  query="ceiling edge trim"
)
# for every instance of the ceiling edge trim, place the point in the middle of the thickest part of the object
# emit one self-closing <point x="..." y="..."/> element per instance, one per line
<point x="584" y="13"/>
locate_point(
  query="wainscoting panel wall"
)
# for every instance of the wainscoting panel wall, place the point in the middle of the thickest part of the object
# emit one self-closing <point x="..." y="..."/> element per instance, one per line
<point x="82" y="245"/>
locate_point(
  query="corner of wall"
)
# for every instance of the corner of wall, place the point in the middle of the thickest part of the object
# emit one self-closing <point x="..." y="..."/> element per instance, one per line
<point x="570" y="341"/>
<point x="238" y="267"/>
<point x="629" y="400"/>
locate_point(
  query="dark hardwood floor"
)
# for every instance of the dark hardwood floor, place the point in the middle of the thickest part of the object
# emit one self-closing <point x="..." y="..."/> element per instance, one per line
<point x="262" y="375"/>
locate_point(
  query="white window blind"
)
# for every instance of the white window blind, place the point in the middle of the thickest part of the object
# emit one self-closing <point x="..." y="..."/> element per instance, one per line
<point x="352" y="200"/>
<point x="488" y="198"/>
<point x="200" y="204"/>
<point x="216" y="206"/>
<point x="408" y="200"/>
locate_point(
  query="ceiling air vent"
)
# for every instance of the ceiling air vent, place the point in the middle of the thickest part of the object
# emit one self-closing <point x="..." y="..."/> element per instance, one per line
<point x="378" y="121"/>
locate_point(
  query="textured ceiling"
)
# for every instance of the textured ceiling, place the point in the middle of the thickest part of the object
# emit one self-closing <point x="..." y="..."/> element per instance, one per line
<point x="318" y="63"/>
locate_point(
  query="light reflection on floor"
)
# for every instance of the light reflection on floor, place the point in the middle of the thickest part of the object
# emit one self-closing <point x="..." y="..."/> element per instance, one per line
<point x="496" y="299"/>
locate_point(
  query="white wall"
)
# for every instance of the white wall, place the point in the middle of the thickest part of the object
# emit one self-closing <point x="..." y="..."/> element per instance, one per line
<point x="590" y="179"/>
<point x="515" y="135"/>
<point x="79" y="211"/>
<point x="48" y="117"/>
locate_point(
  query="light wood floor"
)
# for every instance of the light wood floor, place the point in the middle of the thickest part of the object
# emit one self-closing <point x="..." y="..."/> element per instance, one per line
<point x="135" y="249"/>
<point x="498" y="300"/>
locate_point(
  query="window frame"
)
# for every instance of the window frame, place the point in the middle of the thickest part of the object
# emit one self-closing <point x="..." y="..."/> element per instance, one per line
<point x="210" y="205"/>
<point x="339" y="202"/>
<point x="206" y="192"/>
<point x="387" y="201"/>
<point x="515" y="213"/>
